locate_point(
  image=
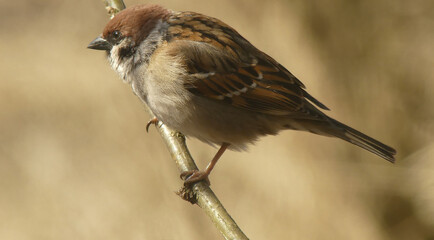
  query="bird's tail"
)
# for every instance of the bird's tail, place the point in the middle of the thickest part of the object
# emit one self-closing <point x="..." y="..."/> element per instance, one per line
<point x="331" y="127"/>
<point x="357" y="138"/>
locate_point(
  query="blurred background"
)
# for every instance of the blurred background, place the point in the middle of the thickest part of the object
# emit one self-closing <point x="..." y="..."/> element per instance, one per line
<point x="76" y="162"/>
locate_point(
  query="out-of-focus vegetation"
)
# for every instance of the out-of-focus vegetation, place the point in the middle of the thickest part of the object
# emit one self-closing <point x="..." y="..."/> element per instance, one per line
<point x="76" y="162"/>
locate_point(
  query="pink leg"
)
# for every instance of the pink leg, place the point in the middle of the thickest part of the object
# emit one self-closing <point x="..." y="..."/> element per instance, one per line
<point x="196" y="175"/>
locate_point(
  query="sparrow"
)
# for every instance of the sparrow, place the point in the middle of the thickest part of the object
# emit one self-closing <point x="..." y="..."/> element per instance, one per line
<point x="199" y="76"/>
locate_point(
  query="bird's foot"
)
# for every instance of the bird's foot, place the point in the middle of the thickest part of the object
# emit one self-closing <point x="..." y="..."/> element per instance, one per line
<point x="194" y="176"/>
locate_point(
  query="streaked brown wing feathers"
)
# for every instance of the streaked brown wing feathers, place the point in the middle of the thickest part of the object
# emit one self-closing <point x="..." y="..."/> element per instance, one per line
<point x="225" y="67"/>
<point x="246" y="88"/>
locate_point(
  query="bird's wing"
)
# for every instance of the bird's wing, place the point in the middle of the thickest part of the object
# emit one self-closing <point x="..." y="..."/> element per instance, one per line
<point x="224" y="66"/>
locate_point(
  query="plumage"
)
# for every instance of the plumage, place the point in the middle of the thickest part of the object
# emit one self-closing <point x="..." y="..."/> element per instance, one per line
<point x="200" y="76"/>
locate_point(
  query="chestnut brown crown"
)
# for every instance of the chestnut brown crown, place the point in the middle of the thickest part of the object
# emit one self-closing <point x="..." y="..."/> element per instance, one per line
<point x="135" y="22"/>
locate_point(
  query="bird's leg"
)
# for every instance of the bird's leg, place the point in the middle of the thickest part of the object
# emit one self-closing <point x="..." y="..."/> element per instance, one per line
<point x="152" y="121"/>
<point x="196" y="175"/>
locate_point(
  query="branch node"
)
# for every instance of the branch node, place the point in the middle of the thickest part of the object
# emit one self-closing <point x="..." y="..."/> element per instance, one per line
<point x="187" y="194"/>
<point x="180" y="136"/>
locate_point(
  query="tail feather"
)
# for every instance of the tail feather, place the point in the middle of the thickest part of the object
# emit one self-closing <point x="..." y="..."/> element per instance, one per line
<point x="315" y="121"/>
<point x="362" y="140"/>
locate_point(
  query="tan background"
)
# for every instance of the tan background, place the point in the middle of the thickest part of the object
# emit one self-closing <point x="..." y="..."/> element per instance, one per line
<point x="76" y="163"/>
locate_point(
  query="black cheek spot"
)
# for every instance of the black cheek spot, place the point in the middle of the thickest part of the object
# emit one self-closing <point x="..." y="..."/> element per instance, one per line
<point x="126" y="52"/>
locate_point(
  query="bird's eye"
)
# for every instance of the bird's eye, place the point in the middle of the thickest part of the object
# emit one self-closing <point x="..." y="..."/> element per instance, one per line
<point x="116" y="35"/>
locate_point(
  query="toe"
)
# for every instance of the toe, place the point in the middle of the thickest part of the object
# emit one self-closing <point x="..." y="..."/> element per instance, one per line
<point x="192" y="177"/>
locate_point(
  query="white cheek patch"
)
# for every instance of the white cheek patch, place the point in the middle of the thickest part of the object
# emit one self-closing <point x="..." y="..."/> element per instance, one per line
<point x="125" y="65"/>
<point x="118" y="64"/>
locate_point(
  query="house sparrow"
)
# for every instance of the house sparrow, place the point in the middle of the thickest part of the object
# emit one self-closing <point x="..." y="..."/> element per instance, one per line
<point x="201" y="77"/>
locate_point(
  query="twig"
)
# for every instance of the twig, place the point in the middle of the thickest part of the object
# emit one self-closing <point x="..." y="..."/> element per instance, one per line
<point x="200" y="193"/>
<point x="114" y="6"/>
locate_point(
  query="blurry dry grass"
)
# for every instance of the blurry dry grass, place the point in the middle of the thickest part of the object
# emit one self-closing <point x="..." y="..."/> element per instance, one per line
<point x="76" y="163"/>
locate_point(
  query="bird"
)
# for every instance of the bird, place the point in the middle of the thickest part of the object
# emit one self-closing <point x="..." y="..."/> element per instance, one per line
<point x="199" y="76"/>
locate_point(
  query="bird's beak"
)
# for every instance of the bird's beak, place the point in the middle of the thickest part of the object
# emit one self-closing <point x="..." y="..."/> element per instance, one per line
<point x="100" y="44"/>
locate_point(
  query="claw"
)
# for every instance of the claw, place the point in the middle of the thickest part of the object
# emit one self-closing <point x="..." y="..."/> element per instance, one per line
<point x="186" y="174"/>
<point x="194" y="176"/>
<point x="152" y="121"/>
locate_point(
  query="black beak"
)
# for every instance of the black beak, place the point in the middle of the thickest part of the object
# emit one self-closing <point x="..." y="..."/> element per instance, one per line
<point x="100" y="44"/>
